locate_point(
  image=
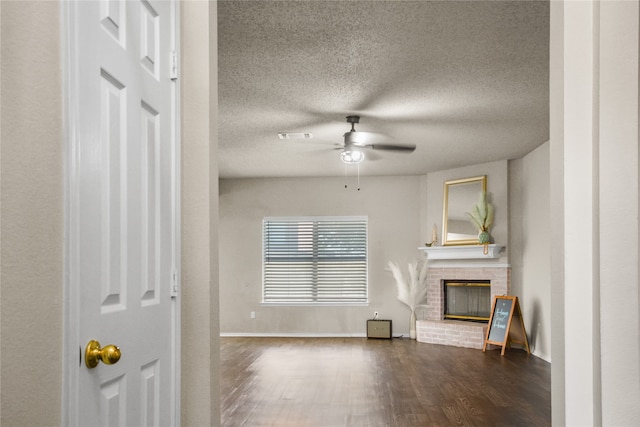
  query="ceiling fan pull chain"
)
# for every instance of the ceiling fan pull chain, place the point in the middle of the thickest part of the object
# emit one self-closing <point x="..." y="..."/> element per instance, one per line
<point x="358" y="176"/>
<point x="345" y="175"/>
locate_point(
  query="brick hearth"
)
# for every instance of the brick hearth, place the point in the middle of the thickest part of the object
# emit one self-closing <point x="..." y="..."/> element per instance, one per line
<point x="434" y="329"/>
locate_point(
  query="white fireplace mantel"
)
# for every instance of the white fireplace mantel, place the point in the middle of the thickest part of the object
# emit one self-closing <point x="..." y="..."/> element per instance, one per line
<point x="462" y="252"/>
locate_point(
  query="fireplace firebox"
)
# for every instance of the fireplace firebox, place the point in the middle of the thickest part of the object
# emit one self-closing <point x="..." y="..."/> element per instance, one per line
<point x="467" y="300"/>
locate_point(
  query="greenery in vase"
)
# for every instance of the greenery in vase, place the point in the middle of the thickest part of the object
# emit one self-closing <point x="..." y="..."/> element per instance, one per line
<point x="482" y="214"/>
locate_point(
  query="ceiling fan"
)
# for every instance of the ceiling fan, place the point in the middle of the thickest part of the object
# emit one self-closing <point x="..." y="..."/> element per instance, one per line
<point x="355" y="143"/>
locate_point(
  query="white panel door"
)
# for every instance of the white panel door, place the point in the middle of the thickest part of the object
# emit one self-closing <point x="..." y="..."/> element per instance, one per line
<point x="122" y="198"/>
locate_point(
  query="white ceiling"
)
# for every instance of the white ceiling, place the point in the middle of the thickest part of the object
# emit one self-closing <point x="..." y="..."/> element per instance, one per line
<point x="466" y="81"/>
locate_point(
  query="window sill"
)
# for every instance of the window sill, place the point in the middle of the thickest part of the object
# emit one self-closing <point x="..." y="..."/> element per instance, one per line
<point x="314" y="304"/>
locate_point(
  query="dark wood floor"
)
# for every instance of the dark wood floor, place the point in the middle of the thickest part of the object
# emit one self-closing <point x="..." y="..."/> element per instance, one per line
<point x="333" y="382"/>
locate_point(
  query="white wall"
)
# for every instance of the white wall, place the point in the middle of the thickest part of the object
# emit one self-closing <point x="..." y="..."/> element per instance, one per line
<point x="200" y="398"/>
<point x="529" y="237"/>
<point x="556" y="209"/>
<point x="32" y="221"/>
<point x="594" y="158"/>
<point x="401" y="210"/>
<point x="497" y="186"/>
<point x="618" y="209"/>
<point x="392" y="206"/>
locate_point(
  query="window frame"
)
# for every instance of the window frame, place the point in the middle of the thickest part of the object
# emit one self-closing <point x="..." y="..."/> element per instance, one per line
<point x="315" y="219"/>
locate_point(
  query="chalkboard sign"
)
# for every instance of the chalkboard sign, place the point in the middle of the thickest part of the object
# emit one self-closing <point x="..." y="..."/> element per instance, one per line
<point x="500" y="318"/>
<point x="506" y="325"/>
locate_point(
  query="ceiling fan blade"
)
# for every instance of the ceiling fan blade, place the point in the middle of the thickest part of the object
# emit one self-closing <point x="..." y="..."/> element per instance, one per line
<point x="363" y="138"/>
<point x="390" y="147"/>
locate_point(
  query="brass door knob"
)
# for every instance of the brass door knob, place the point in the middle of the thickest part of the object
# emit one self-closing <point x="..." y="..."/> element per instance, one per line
<point x="93" y="354"/>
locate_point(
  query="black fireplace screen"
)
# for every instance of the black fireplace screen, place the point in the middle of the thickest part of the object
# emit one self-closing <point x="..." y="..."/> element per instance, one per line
<point x="469" y="300"/>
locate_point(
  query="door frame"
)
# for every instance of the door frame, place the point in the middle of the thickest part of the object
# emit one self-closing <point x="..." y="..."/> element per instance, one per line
<point x="72" y="356"/>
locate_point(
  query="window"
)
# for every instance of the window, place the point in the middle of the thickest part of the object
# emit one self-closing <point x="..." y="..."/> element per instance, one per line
<point x="315" y="260"/>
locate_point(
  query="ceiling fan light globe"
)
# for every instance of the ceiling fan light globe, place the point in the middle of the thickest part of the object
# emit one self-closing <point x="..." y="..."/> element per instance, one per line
<point x="352" y="157"/>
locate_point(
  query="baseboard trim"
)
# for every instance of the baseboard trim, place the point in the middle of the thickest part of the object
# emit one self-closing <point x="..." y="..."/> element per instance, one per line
<point x="302" y="335"/>
<point x="292" y="335"/>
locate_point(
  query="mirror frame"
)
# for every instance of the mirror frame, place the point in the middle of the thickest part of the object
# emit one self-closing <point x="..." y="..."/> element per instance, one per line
<point x="482" y="186"/>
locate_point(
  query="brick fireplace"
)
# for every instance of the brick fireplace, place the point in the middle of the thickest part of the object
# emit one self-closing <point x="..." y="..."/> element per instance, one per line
<point x="434" y="328"/>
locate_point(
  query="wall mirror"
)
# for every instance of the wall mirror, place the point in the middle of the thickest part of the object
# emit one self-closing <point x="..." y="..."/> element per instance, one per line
<point x="460" y="195"/>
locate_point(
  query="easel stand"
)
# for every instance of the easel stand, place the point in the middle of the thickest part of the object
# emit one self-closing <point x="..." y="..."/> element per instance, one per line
<point x="506" y="325"/>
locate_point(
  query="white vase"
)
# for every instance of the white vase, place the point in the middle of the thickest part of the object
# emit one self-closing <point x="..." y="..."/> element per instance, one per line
<point x="412" y="325"/>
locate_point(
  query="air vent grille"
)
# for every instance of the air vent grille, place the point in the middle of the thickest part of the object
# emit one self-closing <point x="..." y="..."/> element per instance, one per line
<point x="294" y="135"/>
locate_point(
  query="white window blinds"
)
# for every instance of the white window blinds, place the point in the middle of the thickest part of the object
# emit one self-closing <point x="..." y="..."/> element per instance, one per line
<point x="315" y="260"/>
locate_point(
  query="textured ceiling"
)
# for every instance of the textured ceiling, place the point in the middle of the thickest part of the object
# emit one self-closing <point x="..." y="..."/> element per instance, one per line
<point x="467" y="82"/>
